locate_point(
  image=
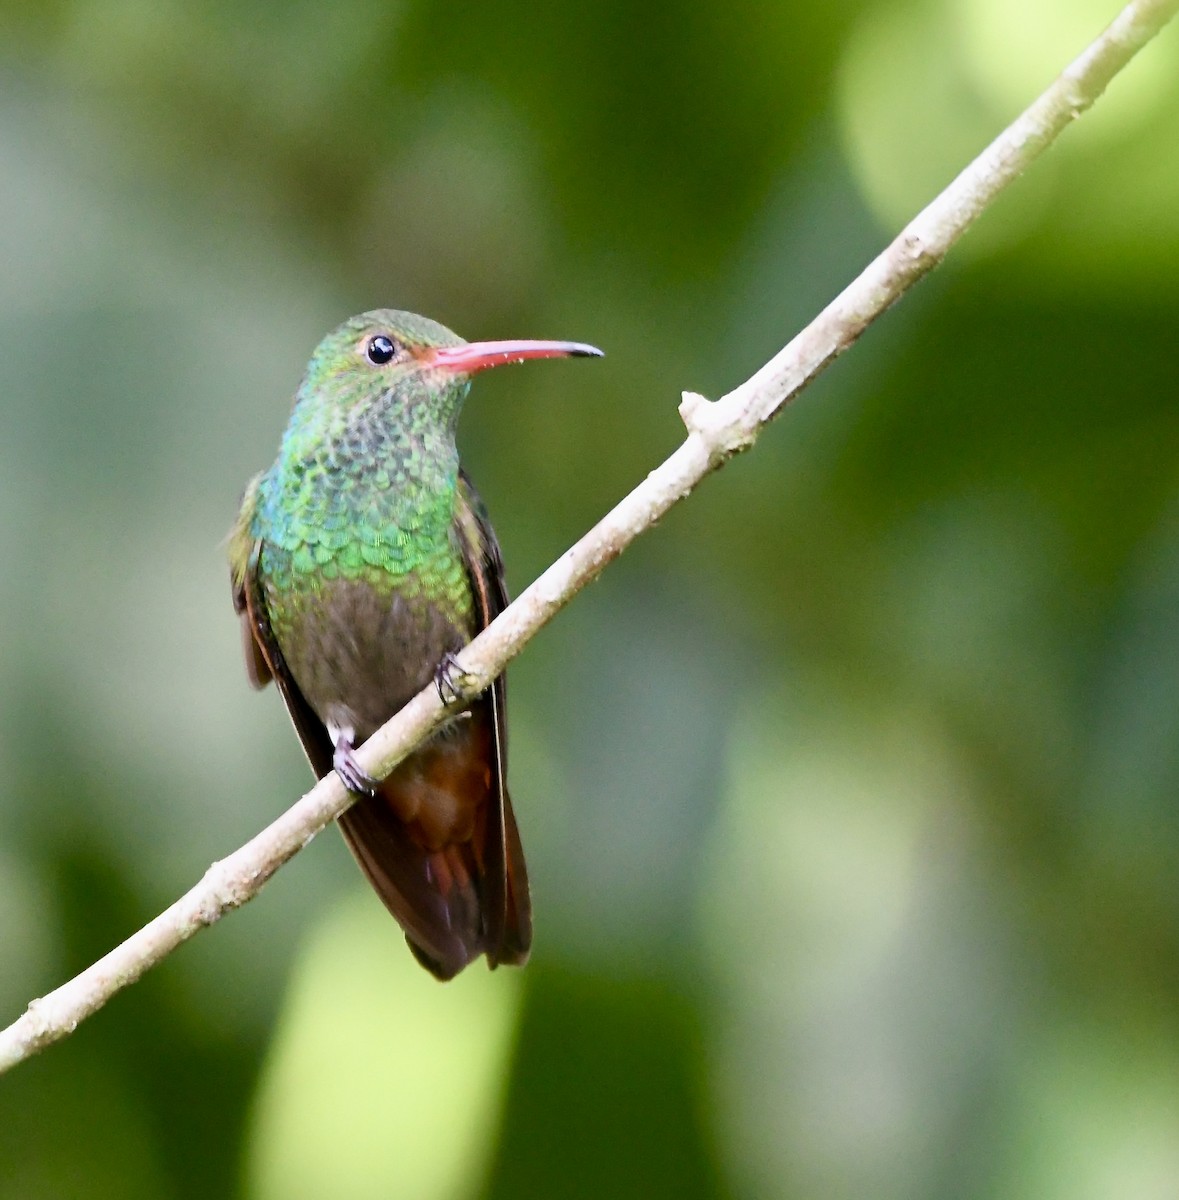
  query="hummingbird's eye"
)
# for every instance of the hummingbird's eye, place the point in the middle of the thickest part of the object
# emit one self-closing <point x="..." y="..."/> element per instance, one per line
<point x="380" y="349"/>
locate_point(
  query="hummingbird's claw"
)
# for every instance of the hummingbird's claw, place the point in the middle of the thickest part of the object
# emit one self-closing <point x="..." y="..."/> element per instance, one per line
<point x="352" y="775"/>
<point x="452" y="682"/>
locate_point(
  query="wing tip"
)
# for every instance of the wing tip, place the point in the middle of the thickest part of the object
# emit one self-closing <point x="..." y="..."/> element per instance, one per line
<point x="443" y="969"/>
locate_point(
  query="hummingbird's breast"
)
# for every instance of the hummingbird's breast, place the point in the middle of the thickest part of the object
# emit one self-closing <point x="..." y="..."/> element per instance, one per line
<point x="359" y="649"/>
<point x="366" y="586"/>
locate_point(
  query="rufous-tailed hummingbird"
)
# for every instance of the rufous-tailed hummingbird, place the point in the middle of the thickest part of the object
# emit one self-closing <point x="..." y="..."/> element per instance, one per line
<point x="361" y="562"/>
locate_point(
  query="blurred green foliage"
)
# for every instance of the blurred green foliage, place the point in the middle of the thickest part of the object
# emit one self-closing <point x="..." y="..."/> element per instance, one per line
<point x="849" y="794"/>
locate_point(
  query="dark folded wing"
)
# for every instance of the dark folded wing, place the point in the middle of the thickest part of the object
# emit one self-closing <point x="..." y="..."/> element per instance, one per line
<point x="507" y="904"/>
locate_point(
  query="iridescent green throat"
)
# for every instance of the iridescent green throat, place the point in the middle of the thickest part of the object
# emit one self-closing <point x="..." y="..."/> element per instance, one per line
<point x="364" y="488"/>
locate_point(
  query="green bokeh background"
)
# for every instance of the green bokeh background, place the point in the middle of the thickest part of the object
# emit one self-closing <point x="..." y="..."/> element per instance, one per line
<point x="849" y="793"/>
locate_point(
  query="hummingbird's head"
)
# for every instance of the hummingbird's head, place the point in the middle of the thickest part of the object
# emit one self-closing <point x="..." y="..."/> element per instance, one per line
<point x="410" y="366"/>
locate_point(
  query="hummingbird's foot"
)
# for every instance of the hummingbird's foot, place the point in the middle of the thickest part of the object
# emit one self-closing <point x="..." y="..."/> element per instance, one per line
<point x="452" y="682"/>
<point x="352" y="775"/>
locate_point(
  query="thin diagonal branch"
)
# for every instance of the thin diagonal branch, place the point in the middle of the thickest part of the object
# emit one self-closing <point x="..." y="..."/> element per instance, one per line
<point x="716" y="432"/>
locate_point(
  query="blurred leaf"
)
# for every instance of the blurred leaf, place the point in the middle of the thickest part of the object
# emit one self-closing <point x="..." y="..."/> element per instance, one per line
<point x="380" y="1080"/>
<point x="604" y="1098"/>
<point x="857" y="956"/>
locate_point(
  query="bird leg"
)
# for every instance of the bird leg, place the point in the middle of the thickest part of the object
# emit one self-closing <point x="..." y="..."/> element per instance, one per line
<point x="352" y="775"/>
<point x="451" y="680"/>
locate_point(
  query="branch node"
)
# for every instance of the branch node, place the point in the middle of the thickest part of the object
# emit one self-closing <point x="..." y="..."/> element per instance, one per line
<point x="222" y="891"/>
<point x="915" y="247"/>
<point x="694" y="409"/>
<point x="35" y="1016"/>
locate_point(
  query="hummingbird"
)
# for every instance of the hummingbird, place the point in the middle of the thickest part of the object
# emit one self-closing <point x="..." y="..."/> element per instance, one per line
<point x="361" y="562"/>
